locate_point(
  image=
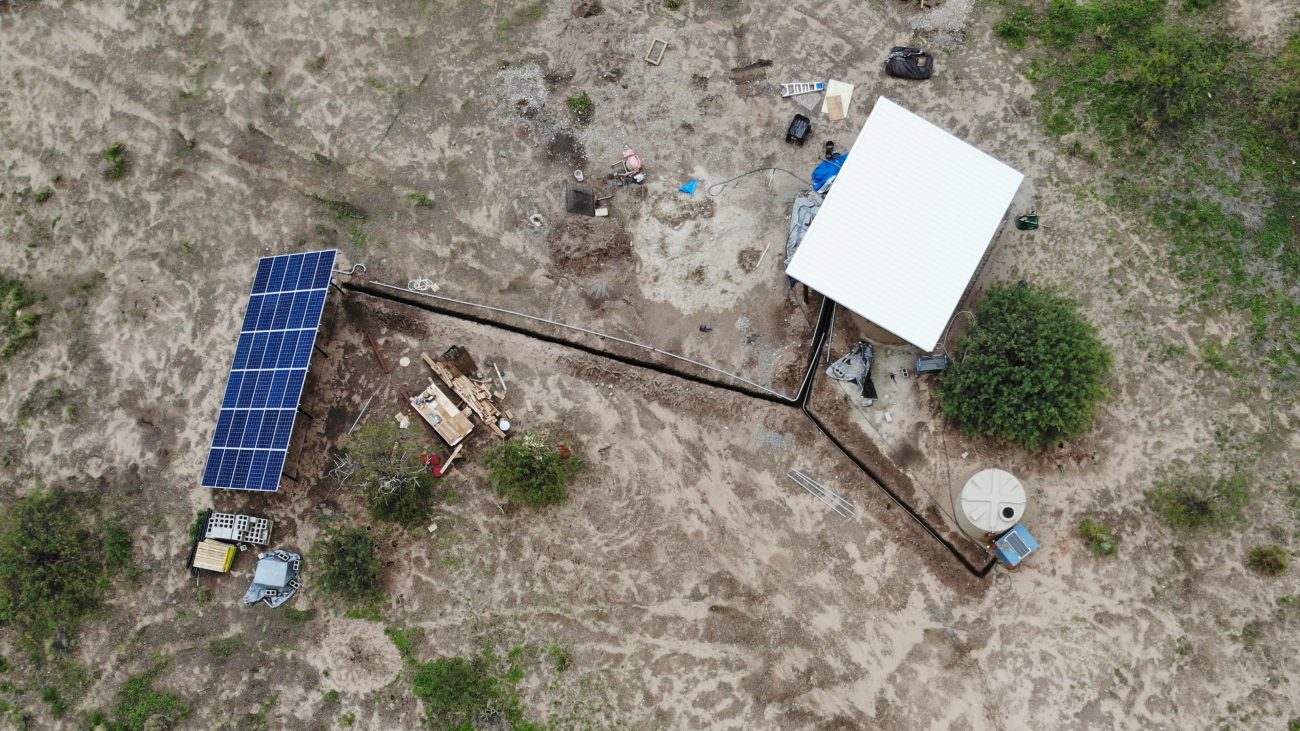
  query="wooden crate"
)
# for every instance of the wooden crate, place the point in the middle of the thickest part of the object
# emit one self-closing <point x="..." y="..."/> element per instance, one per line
<point x="214" y="556"/>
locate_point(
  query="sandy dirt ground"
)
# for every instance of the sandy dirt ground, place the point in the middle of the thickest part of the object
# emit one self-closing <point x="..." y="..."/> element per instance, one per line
<point x="694" y="584"/>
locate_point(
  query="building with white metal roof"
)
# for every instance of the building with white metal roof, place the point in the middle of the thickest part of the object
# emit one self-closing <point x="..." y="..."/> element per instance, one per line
<point x="906" y="225"/>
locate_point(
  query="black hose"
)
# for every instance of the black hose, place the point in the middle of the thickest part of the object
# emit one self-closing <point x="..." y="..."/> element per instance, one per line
<point x="723" y="184"/>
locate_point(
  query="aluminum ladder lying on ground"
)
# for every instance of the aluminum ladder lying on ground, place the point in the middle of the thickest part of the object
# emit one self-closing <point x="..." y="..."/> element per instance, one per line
<point x="842" y="506"/>
<point x="801" y="87"/>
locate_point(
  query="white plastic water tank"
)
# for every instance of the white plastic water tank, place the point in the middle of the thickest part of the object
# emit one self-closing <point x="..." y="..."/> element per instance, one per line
<point x="992" y="501"/>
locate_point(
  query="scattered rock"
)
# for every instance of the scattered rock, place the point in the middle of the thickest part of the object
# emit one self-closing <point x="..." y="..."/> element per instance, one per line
<point x="566" y="148"/>
<point x="951" y="16"/>
<point x="587" y="8"/>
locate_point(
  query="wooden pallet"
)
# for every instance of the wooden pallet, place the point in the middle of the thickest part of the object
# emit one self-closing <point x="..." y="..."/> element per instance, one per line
<point x="214" y="556"/>
<point x="443" y="415"/>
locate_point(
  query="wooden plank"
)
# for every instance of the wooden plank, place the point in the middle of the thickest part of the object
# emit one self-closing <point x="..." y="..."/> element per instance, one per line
<point x="446" y="419"/>
<point x="378" y="354"/>
<point x="446" y="467"/>
<point x="476" y="398"/>
<point x="835" y="108"/>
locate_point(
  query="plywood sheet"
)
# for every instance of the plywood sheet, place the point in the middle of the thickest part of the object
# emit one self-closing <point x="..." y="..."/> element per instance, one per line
<point x="841" y="89"/>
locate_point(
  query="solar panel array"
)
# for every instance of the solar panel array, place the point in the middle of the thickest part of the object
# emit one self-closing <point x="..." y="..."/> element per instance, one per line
<point x="251" y="441"/>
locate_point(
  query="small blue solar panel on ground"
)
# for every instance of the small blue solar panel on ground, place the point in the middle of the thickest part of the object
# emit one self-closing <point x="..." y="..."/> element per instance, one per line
<point x="251" y="440"/>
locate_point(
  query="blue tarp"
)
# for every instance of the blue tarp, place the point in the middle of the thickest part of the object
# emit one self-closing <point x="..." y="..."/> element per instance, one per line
<point x="689" y="187"/>
<point x="825" y="173"/>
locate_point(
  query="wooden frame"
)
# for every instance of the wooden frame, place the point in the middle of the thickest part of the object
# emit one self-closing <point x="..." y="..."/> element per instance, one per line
<point x="650" y="57"/>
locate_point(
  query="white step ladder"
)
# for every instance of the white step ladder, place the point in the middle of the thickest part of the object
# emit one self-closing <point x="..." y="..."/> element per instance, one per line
<point x="801" y="87"/>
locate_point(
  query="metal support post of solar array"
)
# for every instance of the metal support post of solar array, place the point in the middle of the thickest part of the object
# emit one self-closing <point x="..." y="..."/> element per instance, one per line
<point x="251" y="441"/>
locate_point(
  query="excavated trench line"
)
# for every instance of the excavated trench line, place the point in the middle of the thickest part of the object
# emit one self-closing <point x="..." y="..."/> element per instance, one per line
<point x="433" y="303"/>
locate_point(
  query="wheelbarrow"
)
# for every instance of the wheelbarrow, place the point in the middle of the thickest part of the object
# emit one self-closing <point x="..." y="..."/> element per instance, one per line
<point x="1027" y="222"/>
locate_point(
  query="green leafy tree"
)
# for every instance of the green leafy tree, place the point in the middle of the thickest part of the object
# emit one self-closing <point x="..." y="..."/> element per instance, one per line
<point x="531" y="469"/>
<point x="386" y="464"/>
<point x="1030" y="370"/>
<point x="54" y="563"/>
<point x="346" y="565"/>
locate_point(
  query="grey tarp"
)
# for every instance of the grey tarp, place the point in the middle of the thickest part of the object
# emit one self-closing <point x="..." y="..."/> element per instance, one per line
<point x="855" y="367"/>
<point x="806" y="205"/>
<point x="276" y="578"/>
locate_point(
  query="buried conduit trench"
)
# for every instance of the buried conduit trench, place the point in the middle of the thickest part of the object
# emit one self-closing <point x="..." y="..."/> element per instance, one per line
<point x="456" y="308"/>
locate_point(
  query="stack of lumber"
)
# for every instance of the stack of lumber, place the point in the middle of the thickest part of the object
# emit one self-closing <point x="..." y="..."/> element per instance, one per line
<point x="476" y="396"/>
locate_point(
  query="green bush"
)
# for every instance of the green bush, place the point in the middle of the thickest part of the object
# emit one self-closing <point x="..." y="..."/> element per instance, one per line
<point x="1170" y="78"/>
<point x="1099" y="537"/>
<point x="224" y="648"/>
<point x="1030" y="370"/>
<point x="54" y="568"/>
<point x="115" y="161"/>
<point x="420" y="199"/>
<point x="582" y="107"/>
<point x="141" y="707"/>
<point x="1269" y="560"/>
<point x="340" y="211"/>
<point x="17" y="321"/>
<point x="1199" y="500"/>
<point x="404" y="639"/>
<point x="55" y="700"/>
<point x="1016" y="28"/>
<point x="386" y="465"/>
<point x="347" y="566"/>
<point x="530" y="469"/>
<point x="457" y="691"/>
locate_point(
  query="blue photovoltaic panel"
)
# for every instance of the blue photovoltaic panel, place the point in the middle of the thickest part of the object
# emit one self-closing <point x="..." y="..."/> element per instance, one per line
<point x="256" y="421"/>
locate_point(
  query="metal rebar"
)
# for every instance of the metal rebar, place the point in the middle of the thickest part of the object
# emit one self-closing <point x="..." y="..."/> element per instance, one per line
<point x="842" y="506"/>
<point x="363" y="413"/>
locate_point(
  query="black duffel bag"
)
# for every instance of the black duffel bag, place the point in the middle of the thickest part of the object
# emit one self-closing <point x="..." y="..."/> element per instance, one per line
<point x="909" y="63"/>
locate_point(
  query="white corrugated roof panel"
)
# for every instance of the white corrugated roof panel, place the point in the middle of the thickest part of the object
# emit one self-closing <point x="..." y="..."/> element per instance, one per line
<point x="905" y="224"/>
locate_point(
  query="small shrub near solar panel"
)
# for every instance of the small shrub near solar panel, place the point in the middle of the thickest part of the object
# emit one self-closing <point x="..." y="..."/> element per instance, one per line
<point x="347" y="565"/>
